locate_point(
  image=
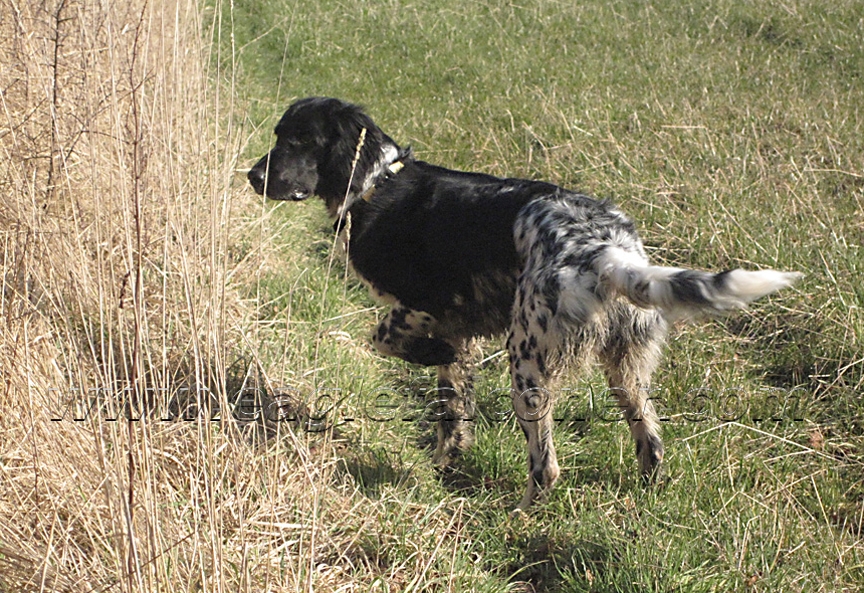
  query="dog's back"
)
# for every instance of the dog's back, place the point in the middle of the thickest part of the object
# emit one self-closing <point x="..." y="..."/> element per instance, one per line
<point x="442" y="242"/>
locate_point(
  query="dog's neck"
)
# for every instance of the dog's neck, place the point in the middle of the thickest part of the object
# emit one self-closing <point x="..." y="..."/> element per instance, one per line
<point x="389" y="154"/>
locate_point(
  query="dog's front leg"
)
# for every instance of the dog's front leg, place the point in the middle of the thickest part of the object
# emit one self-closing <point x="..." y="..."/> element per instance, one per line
<point x="454" y="407"/>
<point x="410" y="335"/>
<point x="405" y="333"/>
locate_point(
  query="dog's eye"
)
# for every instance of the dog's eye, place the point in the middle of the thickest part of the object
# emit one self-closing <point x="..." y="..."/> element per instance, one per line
<point x="292" y="142"/>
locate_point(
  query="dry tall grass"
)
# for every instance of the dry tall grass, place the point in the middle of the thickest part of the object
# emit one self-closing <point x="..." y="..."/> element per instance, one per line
<point x="117" y="221"/>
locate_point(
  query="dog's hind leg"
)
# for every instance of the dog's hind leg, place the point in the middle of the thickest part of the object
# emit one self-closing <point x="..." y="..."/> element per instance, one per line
<point x="629" y="354"/>
<point x="533" y="345"/>
<point x="405" y="333"/>
<point x="454" y="407"/>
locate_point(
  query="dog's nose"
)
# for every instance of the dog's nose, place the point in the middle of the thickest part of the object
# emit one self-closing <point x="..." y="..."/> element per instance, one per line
<point x="256" y="179"/>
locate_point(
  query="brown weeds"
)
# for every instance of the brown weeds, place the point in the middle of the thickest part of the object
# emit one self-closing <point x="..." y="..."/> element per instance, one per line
<point x="117" y="208"/>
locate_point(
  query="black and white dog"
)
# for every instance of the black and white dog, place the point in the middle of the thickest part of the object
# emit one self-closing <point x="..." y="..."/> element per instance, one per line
<point x="461" y="255"/>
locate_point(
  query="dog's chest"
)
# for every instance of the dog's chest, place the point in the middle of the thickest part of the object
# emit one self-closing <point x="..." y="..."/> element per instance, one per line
<point x="378" y="294"/>
<point x="466" y="296"/>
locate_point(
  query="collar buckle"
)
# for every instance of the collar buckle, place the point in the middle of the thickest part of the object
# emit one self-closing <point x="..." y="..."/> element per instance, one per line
<point x="392" y="169"/>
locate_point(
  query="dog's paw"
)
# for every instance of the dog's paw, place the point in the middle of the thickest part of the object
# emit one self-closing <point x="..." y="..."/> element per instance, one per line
<point x="430" y="352"/>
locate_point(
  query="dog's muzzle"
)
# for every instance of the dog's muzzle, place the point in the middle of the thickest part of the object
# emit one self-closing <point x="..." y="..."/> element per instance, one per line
<point x="258" y="181"/>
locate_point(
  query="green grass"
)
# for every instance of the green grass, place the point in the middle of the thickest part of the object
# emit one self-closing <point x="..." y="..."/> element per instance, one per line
<point x="733" y="134"/>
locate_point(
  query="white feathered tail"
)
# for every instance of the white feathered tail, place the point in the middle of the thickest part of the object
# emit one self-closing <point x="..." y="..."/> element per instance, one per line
<point x="679" y="292"/>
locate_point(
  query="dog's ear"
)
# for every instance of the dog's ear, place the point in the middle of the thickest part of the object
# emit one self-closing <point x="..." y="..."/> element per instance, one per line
<point x="351" y="121"/>
<point x="348" y="124"/>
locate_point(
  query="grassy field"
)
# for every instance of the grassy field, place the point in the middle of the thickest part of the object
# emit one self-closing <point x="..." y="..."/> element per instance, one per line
<point x="190" y="401"/>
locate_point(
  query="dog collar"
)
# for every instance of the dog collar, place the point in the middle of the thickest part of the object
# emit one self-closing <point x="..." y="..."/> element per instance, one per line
<point x="392" y="169"/>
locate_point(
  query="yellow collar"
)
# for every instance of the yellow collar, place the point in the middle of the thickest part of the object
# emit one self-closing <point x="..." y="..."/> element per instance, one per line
<point x="392" y="169"/>
<point x="395" y="167"/>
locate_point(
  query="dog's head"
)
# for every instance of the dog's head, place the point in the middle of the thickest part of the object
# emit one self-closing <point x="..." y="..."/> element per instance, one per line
<point x="316" y="143"/>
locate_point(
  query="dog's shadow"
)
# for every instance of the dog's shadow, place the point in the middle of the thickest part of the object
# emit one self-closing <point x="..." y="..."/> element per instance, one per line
<point x="376" y="469"/>
<point x="545" y="563"/>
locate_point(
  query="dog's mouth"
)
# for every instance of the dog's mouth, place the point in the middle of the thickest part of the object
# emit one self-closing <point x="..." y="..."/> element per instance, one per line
<point x="297" y="195"/>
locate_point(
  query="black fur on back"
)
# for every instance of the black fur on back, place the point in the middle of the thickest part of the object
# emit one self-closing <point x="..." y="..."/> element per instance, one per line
<point x="412" y="238"/>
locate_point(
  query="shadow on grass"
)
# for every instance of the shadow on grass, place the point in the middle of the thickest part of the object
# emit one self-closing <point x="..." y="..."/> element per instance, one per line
<point x="375" y="469"/>
<point x="787" y="345"/>
<point x="550" y="563"/>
